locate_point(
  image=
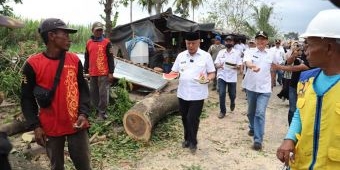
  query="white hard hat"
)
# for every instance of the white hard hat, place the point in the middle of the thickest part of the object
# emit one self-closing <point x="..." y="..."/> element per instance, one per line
<point x="324" y="24"/>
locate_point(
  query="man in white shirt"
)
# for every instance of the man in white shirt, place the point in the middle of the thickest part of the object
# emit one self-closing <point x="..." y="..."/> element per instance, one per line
<point x="213" y="50"/>
<point x="228" y="62"/>
<point x="196" y="69"/>
<point x="257" y="83"/>
<point x="279" y="52"/>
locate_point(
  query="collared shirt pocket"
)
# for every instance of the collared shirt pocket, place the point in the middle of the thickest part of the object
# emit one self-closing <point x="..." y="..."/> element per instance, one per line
<point x="200" y="64"/>
<point x="337" y="108"/>
<point x="300" y="103"/>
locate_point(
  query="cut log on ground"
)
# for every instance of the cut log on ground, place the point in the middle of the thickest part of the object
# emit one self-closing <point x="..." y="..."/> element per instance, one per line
<point x="15" y="127"/>
<point x="141" y="118"/>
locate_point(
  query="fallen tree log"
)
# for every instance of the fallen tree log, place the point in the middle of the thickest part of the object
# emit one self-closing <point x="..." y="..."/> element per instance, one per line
<point x="15" y="127"/>
<point x="141" y="118"/>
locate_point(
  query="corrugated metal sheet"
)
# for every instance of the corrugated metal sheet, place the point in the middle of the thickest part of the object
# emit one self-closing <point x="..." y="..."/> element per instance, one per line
<point x="138" y="75"/>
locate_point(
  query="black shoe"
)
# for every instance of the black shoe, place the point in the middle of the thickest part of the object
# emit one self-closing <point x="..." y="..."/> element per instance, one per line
<point x="251" y="132"/>
<point x="185" y="144"/>
<point x="193" y="148"/>
<point x="257" y="146"/>
<point x="232" y="106"/>
<point x="221" y="115"/>
<point x="102" y="116"/>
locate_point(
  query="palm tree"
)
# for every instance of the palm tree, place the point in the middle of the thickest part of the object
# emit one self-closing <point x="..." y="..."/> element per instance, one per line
<point x="182" y="7"/>
<point x="195" y="4"/>
<point x="261" y="18"/>
<point x="153" y="4"/>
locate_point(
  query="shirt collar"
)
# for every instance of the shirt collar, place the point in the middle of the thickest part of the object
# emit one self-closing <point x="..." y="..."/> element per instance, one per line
<point x="266" y="50"/>
<point x="198" y="52"/>
<point x="231" y="51"/>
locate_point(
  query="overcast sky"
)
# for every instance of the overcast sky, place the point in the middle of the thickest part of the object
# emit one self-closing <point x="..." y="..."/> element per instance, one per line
<point x="294" y="15"/>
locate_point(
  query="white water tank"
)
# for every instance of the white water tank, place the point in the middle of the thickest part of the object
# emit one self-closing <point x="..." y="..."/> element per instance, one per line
<point x="140" y="53"/>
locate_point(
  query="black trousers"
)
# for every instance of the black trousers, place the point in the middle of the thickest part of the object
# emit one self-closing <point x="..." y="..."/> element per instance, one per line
<point x="4" y="163"/>
<point x="191" y="112"/>
<point x="78" y="147"/>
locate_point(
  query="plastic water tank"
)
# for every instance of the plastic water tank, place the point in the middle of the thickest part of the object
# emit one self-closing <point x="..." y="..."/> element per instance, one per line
<point x="140" y="53"/>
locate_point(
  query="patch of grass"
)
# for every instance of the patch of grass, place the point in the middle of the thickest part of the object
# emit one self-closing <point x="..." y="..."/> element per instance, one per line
<point x="121" y="148"/>
<point x="168" y="131"/>
<point x="192" y="167"/>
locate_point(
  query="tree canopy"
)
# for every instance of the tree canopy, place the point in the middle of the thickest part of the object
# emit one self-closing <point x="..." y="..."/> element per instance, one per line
<point x="6" y="9"/>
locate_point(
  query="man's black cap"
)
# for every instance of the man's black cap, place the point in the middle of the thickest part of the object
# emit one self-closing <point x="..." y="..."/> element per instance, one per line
<point x="229" y="37"/>
<point x="261" y="34"/>
<point x="191" y="36"/>
<point x="52" y="24"/>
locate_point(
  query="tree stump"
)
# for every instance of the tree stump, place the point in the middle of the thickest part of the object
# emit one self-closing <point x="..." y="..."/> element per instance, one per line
<point x="141" y="118"/>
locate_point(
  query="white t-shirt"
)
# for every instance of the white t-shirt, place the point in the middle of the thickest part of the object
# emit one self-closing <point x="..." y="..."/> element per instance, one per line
<point x="279" y="52"/>
<point x="190" y="68"/>
<point x="226" y="73"/>
<point x="259" y="81"/>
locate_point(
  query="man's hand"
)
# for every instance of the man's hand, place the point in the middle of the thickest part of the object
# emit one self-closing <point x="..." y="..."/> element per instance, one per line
<point x="40" y="136"/>
<point x="82" y="122"/>
<point x="219" y="66"/>
<point x="286" y="151"/>
<point x="276" y="67"/>
<point x="255" y="69"/>
<point x="110" y="77"/>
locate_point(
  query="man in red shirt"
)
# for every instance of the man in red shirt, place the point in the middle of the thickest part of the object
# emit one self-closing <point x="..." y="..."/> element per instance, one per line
<point x="65" y="118"/>
<point x="99" y="64"/>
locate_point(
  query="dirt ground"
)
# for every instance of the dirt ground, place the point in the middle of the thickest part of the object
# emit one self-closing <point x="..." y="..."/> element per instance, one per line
<point x="223" y="143"/>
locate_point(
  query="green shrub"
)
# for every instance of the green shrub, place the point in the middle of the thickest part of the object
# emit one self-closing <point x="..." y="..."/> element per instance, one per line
<point x="17" y="44"/>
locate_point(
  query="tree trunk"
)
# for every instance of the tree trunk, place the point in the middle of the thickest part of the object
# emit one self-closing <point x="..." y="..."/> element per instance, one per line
<point x="2" y="96"/>
<point x="141" y="118"/>
<point x="131" y="10"/>
<point x="14" y="127"/>
<point x="108" y="11"/>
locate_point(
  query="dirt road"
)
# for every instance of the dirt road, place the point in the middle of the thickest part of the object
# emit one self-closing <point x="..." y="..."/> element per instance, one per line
<point x="224" y="143"/>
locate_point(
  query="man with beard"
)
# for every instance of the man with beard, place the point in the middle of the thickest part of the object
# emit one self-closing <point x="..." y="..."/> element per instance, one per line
<point x="228" y="62"/>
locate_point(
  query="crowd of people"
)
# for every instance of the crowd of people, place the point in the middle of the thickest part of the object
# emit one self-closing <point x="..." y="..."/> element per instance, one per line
<point x="312" y="83"/>
<point x="57" y="107"/>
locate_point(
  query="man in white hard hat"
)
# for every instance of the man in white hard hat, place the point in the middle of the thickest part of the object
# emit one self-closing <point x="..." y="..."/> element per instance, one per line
<point x="312" y="141"/>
